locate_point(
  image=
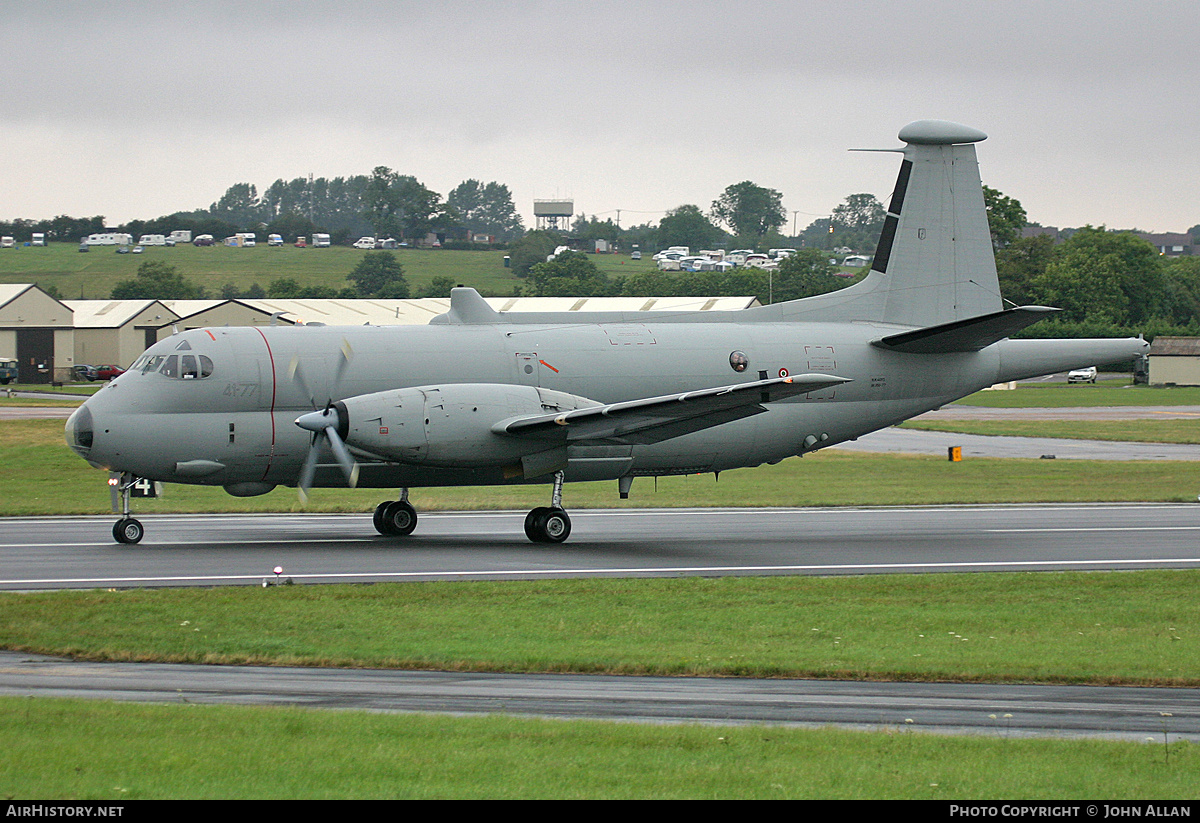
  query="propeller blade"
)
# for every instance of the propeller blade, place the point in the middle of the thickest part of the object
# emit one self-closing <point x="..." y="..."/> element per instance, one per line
<point x="296" y="375"/>
<point x="349" y="467"/>
<point x="307" y="471"/>
<point x="347" y="355"/>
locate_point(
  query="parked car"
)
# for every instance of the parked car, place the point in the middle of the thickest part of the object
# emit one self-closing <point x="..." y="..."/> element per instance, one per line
<point x="108" y="372"/>
<point x="8" y="371"/>
<point x="83" y="371"/>
<point x="204" y="240"/>
<point x="1087" y="375"/>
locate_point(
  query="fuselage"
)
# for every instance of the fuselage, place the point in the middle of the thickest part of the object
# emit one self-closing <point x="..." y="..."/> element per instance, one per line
<point x="223" y="411"/>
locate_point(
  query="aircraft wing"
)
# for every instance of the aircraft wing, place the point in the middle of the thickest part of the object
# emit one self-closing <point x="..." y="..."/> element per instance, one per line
<point x="654" y="419"/>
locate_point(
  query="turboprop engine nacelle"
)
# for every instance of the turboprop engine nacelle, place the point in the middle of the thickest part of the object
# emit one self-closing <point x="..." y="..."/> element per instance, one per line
<point x="452" y="425"/>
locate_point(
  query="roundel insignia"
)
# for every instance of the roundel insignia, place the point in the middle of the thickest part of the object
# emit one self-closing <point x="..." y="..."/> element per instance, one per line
<point x="784" y="372"/>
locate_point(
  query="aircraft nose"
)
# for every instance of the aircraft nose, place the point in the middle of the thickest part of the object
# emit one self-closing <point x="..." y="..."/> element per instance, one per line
<point x="81" y="431"/>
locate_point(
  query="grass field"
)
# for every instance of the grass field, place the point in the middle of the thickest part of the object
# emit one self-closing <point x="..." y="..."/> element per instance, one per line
<point x="69" y="749"/>
<point x="1063" y="395"/>
<point x="1099" y="628"/>
<point x="94" y="274"/>
<point x="1138" y="431"/>
<point x="1057" y="627"/>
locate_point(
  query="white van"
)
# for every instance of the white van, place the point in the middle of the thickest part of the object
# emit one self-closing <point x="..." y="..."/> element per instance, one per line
<point x="364" y="243"/>
<point x="7" y="242"/>
<point x="320" y="241"/>
<point x="39" y="239"/>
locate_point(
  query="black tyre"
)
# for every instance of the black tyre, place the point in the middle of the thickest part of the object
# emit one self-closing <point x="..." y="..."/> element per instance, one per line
<point x="128" y="531"/>
<point x="377" y="517"/>
<point x="531" y="520"/>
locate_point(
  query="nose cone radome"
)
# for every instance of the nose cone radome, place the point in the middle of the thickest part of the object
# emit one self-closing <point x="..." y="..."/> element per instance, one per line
<point x="81" y="431"/>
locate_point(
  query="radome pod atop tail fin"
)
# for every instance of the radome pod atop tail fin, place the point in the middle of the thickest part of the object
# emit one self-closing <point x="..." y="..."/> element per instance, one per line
<point x="934" y="264"/>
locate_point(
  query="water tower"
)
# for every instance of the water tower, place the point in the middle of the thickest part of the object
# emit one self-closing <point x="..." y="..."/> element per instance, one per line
<point x="554" y="214"/>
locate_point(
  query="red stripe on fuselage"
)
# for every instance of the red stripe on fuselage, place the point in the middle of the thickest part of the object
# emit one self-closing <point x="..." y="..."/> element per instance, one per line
<point x="271" y="357"/>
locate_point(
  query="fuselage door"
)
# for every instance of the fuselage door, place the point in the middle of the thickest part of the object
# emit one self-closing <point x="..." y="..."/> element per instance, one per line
<point x="528" y="369"/>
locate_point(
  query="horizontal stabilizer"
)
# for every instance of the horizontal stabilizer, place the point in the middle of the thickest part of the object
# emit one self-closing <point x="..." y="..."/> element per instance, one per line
<point x="972" y="334"/>
<point x="654" y="419"/>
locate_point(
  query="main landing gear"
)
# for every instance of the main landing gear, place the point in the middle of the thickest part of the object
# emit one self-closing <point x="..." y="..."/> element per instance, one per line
<point x="395" y="518"/>
<point x="549" y="524"/>
<point x="545" y="524"/>
<point x="127" y="530"/>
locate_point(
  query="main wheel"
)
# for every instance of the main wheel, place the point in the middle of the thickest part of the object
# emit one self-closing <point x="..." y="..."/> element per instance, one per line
<point x="128" y="531"/>
<point x="543" y="525"/>
<point x="399" y="518"/>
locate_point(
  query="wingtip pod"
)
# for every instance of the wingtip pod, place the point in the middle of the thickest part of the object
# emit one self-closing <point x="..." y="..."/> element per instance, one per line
<point x="940" y="133"/>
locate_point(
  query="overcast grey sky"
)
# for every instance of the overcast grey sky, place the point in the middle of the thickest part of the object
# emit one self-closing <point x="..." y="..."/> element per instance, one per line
<point x="138" y="109"/>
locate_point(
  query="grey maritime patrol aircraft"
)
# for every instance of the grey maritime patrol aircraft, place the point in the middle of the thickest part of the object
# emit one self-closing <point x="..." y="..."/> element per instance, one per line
<point x="480" y="397"/>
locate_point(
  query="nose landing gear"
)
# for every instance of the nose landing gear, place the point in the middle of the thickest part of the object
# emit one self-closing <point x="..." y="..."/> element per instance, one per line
<point x="126" y="530"/>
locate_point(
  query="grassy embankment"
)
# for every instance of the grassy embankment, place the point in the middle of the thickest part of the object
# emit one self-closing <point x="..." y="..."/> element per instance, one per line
<point x="94" y="274"/>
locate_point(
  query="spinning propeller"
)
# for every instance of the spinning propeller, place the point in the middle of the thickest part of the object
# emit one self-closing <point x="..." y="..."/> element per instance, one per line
<point x="327" y="423"/>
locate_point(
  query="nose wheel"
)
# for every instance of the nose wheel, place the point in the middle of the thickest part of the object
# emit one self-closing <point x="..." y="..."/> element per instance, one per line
<point x="128" y="530"/>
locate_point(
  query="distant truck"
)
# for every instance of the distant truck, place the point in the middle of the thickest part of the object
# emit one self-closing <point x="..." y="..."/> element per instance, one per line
<point x="8" y="371"/>
<point x="320" y="241"/>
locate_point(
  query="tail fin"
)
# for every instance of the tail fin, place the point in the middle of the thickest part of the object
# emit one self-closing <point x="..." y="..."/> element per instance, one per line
<point x="934" y="263"/>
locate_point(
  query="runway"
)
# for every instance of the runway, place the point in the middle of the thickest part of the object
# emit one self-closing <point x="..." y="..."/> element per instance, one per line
<point x="208" y="550"/>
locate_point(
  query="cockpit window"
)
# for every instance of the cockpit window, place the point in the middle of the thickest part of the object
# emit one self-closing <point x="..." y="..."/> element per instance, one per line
<point x="183" y="346"/>
<point x="175" y="366"/>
